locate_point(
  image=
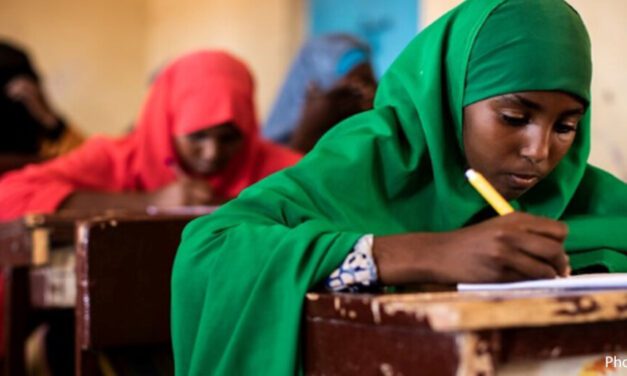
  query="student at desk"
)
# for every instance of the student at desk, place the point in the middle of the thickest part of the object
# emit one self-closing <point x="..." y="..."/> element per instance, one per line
<point x="331" y="79"/>
<point x="30" y="125"/>
<point x="196" y="142"/>
<point x="501" y="86"/>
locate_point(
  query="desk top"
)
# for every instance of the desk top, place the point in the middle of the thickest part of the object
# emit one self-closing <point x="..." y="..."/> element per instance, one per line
<point x="28" y="240"/>
<point x="460" y="311"/>
<point x="453" y="333"/>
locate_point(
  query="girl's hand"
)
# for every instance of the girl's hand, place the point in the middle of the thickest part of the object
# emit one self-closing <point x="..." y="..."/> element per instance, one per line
<point x="516" y="246"/>
<point x="184" y="191"/>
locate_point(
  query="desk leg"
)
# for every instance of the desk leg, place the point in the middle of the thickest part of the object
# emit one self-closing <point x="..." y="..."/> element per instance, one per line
<point x="87" y="363"/>
<point x="17" y="318"/>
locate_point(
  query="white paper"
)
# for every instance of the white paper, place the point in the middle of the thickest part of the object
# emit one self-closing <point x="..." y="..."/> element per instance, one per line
<point x="578" y="282"/>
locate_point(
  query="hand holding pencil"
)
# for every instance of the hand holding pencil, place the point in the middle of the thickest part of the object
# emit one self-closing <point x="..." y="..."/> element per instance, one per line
<point x="492" y="196"/>
<point x="514" y="246"/>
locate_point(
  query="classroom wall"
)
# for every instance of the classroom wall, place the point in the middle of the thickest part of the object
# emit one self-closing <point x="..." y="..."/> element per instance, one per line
<point x="90" y="54"/>
<point x="608" y="31"/>
<point x="266" y="35"/>
<point x="97" y="57"/>
<point x="605" y="20"/>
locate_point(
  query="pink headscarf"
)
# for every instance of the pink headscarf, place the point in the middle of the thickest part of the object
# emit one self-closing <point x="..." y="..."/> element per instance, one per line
<point x="197" y="91"/>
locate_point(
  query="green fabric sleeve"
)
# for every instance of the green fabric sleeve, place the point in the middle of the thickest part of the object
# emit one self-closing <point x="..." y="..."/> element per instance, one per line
<point x="245" y="270"/>
<point x="241" y="274"/>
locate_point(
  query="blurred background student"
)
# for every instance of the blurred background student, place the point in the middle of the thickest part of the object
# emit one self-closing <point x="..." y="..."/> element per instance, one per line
<point x="196" y="142"/>
<point x="331" y="79"/>
<point x="30" y="126"/>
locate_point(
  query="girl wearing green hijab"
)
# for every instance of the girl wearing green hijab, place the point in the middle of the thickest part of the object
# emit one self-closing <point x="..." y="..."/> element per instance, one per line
<point x="502" y="86"/>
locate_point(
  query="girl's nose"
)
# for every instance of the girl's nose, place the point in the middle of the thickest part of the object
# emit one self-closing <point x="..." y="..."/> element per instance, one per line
<point x="536" y="147"/>
<point x="209" y="149"/>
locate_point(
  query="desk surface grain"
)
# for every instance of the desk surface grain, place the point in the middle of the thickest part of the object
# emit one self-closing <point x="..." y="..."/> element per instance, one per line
<point x="451" y="333"/>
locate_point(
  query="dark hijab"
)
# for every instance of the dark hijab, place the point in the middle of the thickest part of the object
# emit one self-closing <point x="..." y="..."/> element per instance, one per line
<point x="20" y="132"/>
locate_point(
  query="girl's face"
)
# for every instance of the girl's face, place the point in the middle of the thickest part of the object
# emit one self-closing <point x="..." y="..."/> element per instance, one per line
<point x="516" y="140"/>
<point x="208" y="151"/>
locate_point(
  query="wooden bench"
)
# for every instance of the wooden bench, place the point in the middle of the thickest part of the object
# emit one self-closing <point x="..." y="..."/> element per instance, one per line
<point x="451" y="333"/>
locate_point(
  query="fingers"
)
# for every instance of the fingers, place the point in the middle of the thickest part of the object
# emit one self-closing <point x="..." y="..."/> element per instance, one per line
<point x="528" y="266"/>
<point x="199" y="192"/>
<point x="544" y="249"/>
<point x="512" y="275"/>
<point x="539" y="225"/>
<point x="193" y="191"/>
<point x="196" y="191"/>
<point x="530" y="245"/>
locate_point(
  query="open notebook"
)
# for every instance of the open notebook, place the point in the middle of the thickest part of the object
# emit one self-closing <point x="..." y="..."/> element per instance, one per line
<point x="578" y="282"/>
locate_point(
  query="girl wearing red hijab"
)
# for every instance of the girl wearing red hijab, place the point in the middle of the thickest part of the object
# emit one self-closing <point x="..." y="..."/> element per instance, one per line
<point x="196" y="142"/>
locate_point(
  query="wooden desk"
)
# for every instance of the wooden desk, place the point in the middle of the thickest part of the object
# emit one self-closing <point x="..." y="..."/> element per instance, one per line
<point x="123" y="278"/>
<point x="26" y="243"/>
<point x="461" y="333"/>
<point x="38" y="257"/>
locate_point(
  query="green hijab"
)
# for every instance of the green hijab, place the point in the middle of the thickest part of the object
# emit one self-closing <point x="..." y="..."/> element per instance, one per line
<point x="241" y="274"/>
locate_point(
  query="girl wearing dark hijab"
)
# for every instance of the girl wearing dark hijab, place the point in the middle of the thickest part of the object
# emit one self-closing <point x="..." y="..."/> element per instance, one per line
<point x="28" y="123"/>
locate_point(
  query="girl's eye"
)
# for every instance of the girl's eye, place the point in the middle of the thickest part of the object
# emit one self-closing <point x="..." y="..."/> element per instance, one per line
<point x="230" y="137"/>
<point x="515" y="120"/>
<point x="193" y="138"/>
<point x="565" y="128"/>
<point x="196" y="137"/>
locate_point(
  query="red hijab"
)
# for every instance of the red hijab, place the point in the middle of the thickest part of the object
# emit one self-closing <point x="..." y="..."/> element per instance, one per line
<point x="197" y="91"/>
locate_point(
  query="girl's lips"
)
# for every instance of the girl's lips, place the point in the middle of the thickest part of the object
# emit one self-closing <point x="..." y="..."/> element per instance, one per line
<point x="522" y="181"/>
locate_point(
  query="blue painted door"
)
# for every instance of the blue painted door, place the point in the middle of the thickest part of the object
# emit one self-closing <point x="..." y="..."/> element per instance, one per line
<point x="388" y="25"/>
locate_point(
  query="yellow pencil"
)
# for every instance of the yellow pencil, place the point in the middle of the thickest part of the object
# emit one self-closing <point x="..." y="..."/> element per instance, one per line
<point x="493" y="197"/>
<point x="487" y="191"/>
